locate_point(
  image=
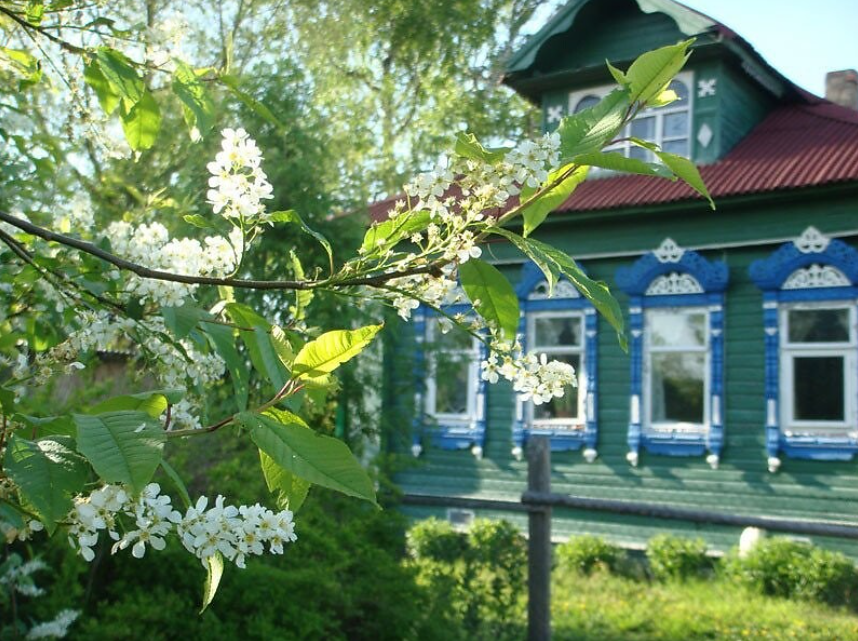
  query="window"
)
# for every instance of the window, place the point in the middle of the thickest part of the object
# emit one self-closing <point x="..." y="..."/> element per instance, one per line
<point x="453" y="370"/>
<point x="677" y="368"/>
<point x="676" y="316"/>
<point x="669" y="127"/>
<point x="561" y="325"/>
<point x="560" y="336"/>
<point x="818" y="350"/>
<point x="449" y="398"/>
<point x="810" y="292"/>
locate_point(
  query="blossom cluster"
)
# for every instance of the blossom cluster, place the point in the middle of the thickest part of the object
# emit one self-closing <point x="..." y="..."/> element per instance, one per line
<point x="234" y="532"/>
<point x="150" y="245"/>
<point x="238" y="184"/>
<point x="435" y="291"/>
<point x="17" y="577"/>
<point x="533" y="376"/>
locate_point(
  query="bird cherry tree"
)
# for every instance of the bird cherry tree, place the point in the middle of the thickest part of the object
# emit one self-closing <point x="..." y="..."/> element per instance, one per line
<point x="179" y="305"/>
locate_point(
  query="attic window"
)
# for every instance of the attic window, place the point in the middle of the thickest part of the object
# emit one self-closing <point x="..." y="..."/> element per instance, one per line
<point x="669" y="127"/>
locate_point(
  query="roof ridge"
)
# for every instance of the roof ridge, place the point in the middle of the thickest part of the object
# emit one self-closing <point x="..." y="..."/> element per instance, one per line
<point x="846" y="116"/>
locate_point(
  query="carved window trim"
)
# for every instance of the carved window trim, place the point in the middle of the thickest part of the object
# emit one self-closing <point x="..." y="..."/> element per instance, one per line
<point x="533" y="301"/>
<point x="812" y="269"/>
<point x="692" y="283"/>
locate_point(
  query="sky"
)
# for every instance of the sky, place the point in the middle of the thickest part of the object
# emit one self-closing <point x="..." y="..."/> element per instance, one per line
<point x="803" y="40"/>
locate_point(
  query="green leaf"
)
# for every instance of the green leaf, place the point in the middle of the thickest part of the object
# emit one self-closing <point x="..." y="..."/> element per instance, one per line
<point x="553" y="263"/>
<point x="48" y="472"/>
<point x="618" y="162"/>
<point x="141" y="122"/>
<point x="177" y="482"/>
<point x="183" y="319"/>
<point x="649" y="74"/>
<point x="22" y="64"/>
<point x="11" y="515"/>
<point x="467" y="146"/>
<point x="686" y="171"/>
<point x="198" y="221"/>
<point x="214" y="573"/>
<point x="232" y="83"/>
<point x="35" y="12"/>
<point x="591" y="129"/>
<point x="618" y="75"/>
<point x="49" y="425"/>
<point x="107" y="97"/>
<point x="291" y="216"/>
<point x="254" y="333"/>
<point x="154" y="403"/>
<point x="282" y="346"/>
<point x="7" y="401"/>
<point x="222" y="338"/>
<point x="491" y="295"/>
<point x="316" y="458"/>
<point x="120" y="73"/>
<point x="303" y="297"/>
<point x="123" y="447"/>
<point x="382" y="236"/>
<point x="194" y="96"/>
<point x="536" y="212"/>
<point x="291" y="490"/>
<point x="332" y="349"/>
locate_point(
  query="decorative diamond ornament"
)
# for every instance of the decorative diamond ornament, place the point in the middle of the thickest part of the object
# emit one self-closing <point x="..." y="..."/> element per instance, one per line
<point x="704" y="135"/>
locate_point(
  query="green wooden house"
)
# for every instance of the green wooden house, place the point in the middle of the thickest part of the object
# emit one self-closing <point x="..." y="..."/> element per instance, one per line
<point x="739" y="392"/>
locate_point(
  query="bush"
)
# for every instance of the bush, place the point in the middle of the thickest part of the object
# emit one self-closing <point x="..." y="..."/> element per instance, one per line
<point x="476" y="580"/>
<point x="586" y="554"/>
<point x="780" y="567"/>
<point x="675" y="557"/>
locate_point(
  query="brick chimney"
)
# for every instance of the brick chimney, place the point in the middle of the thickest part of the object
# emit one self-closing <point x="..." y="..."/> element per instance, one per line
<point x="841" y="87"/>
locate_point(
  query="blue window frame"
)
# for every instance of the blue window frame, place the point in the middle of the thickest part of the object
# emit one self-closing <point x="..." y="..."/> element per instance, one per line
<point x="810" y="291"/>
<point x="676" y="319"/>
<point x="449" y="405"/>
<point x="562" y="327"/>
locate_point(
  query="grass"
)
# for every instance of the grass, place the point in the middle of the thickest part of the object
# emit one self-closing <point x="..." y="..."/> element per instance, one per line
<point x="609" y="608"/>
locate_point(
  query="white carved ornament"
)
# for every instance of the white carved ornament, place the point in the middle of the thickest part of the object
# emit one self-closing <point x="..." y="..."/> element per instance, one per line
<point x="706" y="87"/>
<point x="672" y="284"/>
<point x="563" y="289"/>
<point x="669" y="251"/>
<point x="811" y="241"/>
<point x="815" y="276"/>
<point x="555" y="114"/>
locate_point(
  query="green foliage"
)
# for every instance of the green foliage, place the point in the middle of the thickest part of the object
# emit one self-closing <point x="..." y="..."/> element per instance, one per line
<point x="123" y="447"/>
<point x="324" y="354"/>
<point x="586" y="554"/>
<point x="536" y="210"/>
<point x="491" y="294"/>
<point x="785" y="568"/>
<point x="476" y="579"/>
<point x="677" y="558"/>
<point x="48" y="473"/>
<point x="314" y="457"/>
<point x="650" y="74"/>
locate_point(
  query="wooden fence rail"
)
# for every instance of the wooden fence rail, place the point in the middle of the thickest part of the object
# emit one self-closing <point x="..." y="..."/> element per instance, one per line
<point x="538" y="500"/>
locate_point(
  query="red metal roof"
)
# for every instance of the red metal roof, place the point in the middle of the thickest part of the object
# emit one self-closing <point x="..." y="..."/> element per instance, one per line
<point x="796" y="146"/>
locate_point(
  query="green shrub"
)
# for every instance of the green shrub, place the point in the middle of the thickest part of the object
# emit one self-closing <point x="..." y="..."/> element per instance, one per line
<point x="676" y="557"/>
<point x="476" y="580"/>
<point x="780" y="567"/>
<point x="586" y="554"/>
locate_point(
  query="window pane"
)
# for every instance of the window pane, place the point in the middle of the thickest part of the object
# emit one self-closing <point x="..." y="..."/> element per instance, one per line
<point x="678" y="387"/>
<point x="681" y="91"/>
<point x="556" y="332"/>
<point x="451" y="384"/>
<point x="567" y="405"/>
<point x="676" y="125"/>
<point x="818" y="388"/>
<point x="644" y="128"/>
<point x="586" y="102"/>
<point x="679" y="147"/>
<point x="676" y="328"/>
<point x="819" y="325"/>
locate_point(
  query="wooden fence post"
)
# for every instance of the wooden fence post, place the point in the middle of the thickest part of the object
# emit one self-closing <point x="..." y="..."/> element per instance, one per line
<point x="539" y="543"/>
